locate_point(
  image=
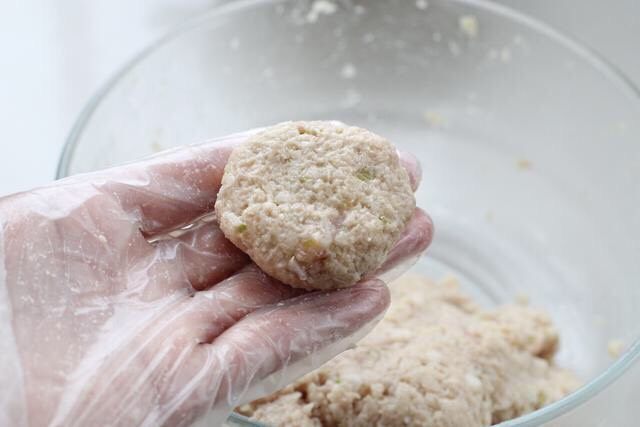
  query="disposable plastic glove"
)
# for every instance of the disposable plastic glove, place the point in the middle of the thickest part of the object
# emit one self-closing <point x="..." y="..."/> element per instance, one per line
<point x="101" y="327"/>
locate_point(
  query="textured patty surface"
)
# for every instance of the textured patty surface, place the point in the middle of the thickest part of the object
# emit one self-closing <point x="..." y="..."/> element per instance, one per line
<point x="316" y="205"/>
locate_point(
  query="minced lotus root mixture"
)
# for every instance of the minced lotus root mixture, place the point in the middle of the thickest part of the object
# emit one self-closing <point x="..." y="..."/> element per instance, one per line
<point x="437" y="359"/>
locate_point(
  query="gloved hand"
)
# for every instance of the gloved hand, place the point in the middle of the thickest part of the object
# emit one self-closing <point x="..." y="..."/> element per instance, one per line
<point x="102" y="327"/>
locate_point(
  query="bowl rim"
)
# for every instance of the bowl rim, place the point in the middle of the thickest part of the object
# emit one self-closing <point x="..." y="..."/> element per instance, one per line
<point x="610" y="71"/>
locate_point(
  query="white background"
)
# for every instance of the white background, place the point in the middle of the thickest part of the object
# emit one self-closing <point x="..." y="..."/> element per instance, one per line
<point x="55" y="54"/>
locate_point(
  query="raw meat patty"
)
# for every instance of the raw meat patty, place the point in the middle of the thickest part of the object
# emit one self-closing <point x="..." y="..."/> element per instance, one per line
<point x="316" y="205"/>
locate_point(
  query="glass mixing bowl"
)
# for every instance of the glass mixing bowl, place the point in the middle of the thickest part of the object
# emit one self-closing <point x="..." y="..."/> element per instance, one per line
<point x="530" y="146"/>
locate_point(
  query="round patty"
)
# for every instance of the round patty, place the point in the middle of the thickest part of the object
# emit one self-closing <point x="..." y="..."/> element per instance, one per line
<point x="316" y="205"/>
